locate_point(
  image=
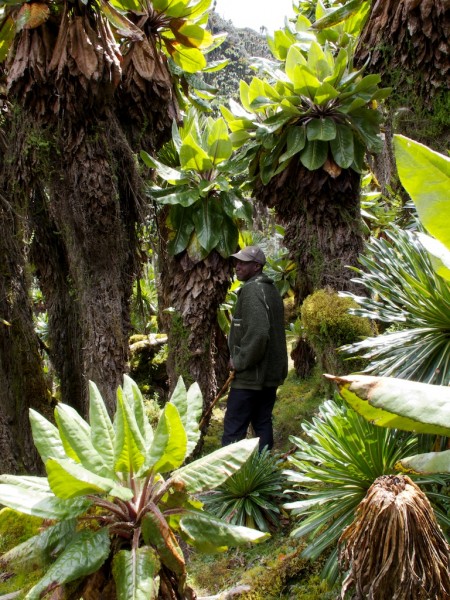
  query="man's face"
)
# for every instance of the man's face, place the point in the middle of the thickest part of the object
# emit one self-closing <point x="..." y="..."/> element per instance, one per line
<point x="246" y="269"/>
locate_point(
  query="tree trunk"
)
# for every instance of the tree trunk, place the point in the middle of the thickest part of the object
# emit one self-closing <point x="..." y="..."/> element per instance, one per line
<point x="322" y="220"/>
<point x="194" y="292"/>
<point x="21" y="371"/>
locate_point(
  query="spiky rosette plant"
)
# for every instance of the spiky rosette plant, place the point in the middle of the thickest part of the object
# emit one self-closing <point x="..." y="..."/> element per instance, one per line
<point x="395" y="548"/>
<point x="117" y="498"/>
<point x="252" y="496"/>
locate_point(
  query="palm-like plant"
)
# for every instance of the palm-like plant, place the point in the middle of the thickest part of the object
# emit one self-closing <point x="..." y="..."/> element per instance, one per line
<point x="333" y="469"/>
<point x="405" y="292"/>
<point x="252" y="496"/>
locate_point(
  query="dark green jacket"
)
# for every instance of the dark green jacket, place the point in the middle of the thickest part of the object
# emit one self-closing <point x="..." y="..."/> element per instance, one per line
<point x="257" y="339"/>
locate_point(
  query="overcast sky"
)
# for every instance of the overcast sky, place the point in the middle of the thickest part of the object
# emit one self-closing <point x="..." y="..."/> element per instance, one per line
<point x="255" y="13"/>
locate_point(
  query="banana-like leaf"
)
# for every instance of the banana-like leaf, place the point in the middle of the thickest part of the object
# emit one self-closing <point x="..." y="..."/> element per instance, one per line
<point x="180" y="221"/>
<point x="134" y="397"/>
<point x="219" y="144"/>
<point x="425" y="175"/>
<point x="69" y="480"/>
<point x="46" y="437"/>
<point x="129" y="450"/>
<point x="41" y="548"/>
<point x="210" y="534"/>
<point x="337" y="15"/>
<point x="76" y="436"/>
<point x="39" y="504"/>
<point x="229" y="237"/>
<point x="102" y="431"/>
<point x="210" y="471"/>
<point x="295" y="142"/>
<point x="189" y="404"/>
<point x="398" y="403"/>
<point x="190" y="34"/>
<point x="168" y="449"/>
<point x="190" y="60"/>
<point x="430" y="462"/>
<point x="84" y="555"/>
<point x="27" y="482"/>
<point x="135" y="573"/>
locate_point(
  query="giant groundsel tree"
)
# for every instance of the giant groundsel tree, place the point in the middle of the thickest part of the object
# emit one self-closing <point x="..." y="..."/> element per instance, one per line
<point x="87" y="82"/>
<point x="305" y="125"/>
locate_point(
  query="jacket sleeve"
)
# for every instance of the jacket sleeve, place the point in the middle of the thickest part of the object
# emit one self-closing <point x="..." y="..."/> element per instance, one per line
<point x="251" y="329"/>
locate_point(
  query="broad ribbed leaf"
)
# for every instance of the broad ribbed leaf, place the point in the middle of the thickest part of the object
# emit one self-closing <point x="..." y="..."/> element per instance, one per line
<point x="157" y="533"/>
<point x="337" y="15"/>
<point x="27" y="482"/>
<point x="342" y="146"/>
<point x="189" y="405"/>
<point x="190" y="60"/>
<point x="321" y="129"/>
<point x="295" y="142"/>
<point x="129" y="450"/>
<point x="133" y="395"/>
<point x="209" y="534"/>
<point x="84" y="555"/>
<point x="425" y="175"/>
<point x="46" y="437"/>
<point x="193" y="157"/>
<point x="314" y="155"/>
<point x="192" y="35"/>
<point x="184" y="198"/>
<point x="76" y="435"/>
<point x="430" y="462"/>
<point x="390" y="402"/>
<point x="229" y="237"/>
<point x="167" y="173"/>
<point x="39" y="504"/>
<point x="41" y="548"/>
<point x="317" y="61"/>
<point x="210" y="471"/>
<point x="208" y="223"/>
<point x="135" y="574"/>
<point x="169" y="445"/>
<point x="102" y="431"/>
<point x="7" y="32"/>
<point x="180" y="221"/>
<point x="439" y="254"/>
<point x="69" y="480"/>
<point x="219" y="144"/>
<point x="119" y="21"/>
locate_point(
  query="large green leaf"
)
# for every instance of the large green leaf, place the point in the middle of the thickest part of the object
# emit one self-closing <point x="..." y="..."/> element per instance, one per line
<point x="170" y="175"/>
<point x="209" y="534"/>
<point x="7" y="32"/>
<point x="190" y="60"/>
<point x="342" y="146"/>
<point x="133" y="395"/>
<point x="46" y="437"/>
<point x="76" y="434"/>
<point x="135" y="574"/>
<point x="102" y="431"/>
<point x="208" y="223"/>
<point x="425" y="175"/>
<point x="219" y="144"/>
<point x="321" y="129"/>
<point x="69" y="480"/>
<point x="430" y="462"/>
<point x="193" y="156"/>
<point x="210" y="471"/>
<point x="398" y="403"/>
<point x="157" y="533"/>
<point x="182" y="226"/>
<point x="314" y="155"/>
<point x="439" y="254"/>
<point x="168" y="449"/>
<point x="295" y="142"/>
<point x="129" y="450"/>
<point x="84" y="555"/>
<point x="183" y="197"/>
<point x="189" y="404"/>
<point x="229" y="237"/>
<point x="39" y="504"/>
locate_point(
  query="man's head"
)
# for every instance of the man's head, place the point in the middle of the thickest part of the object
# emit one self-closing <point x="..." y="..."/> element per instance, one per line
<point x="249" y="262"/>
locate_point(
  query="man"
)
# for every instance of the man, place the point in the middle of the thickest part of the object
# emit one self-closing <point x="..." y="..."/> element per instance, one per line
<point x="258" y="353"/>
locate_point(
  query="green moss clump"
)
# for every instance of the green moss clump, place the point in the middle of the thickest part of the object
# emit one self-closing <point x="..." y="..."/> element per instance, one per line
<point x="327" y="325"/>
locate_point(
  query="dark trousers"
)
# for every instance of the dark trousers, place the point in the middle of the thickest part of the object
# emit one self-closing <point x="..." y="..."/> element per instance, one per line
<point x="249" y="407"/>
